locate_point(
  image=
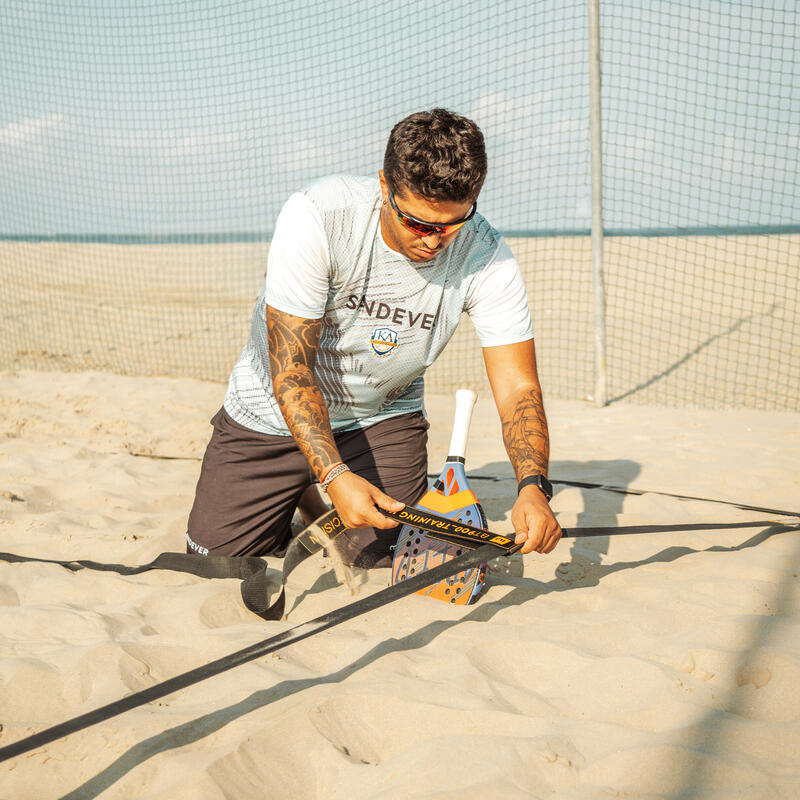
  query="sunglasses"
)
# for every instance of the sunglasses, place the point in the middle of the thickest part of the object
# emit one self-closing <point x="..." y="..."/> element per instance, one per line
<point x="427" y="228"/>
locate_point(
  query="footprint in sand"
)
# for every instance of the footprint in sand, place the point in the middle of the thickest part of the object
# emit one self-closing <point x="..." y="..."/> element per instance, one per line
<point x="759" y="684"/>
<point x="710" y="664"/>
<point x="580" y="572"/>
<point x="569" y="572"/>
<point x="754" y="675"/>
<point x="702" y="664"/>
<point x="8" y="597"/>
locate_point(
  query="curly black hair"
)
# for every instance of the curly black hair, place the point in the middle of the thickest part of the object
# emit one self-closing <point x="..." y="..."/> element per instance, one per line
<point x="436" y="154"/>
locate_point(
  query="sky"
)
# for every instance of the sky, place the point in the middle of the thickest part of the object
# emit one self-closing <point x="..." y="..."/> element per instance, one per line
<point x="202" y="117"/>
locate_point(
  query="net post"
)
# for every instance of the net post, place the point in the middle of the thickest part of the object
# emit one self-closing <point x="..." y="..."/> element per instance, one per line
<point x="595" y="134"/>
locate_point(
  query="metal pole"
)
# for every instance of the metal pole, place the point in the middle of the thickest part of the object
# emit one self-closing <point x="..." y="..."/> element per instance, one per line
<point x="595" y="133"/>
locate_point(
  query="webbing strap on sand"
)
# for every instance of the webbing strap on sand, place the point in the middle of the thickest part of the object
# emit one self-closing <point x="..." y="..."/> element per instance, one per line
<point x="251" y="570"/>
<point x="635" y="491"/>
<point x="466" y="561"/>
<point x="257" y="585"/>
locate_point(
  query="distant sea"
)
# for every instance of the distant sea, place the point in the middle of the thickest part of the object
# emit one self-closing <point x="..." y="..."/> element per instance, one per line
<point x="266" y="236"/>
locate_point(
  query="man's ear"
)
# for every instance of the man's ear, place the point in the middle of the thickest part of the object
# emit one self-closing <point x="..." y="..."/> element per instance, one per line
<point x="384" y="186"/>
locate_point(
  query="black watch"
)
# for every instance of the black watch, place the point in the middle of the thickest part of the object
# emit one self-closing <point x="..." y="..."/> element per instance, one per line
<point x="537" y="480"/>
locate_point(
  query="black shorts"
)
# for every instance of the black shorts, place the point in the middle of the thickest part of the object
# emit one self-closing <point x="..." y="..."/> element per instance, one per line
<point x="250" y="484"/>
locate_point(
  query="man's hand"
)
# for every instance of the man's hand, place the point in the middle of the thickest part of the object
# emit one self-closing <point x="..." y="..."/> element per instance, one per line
<point x="358" y="501"/>
<point x="534" y="522"/>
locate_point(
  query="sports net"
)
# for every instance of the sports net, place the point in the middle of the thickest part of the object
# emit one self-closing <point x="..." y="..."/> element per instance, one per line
<point x="145" y="151"/>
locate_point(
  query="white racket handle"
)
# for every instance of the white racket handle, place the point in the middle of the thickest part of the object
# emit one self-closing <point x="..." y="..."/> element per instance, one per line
<point x="465" y="403"/>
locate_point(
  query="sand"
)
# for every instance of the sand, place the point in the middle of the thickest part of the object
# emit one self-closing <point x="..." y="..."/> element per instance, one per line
<point x="701" y="321"/>
<point x="657" y="665"/>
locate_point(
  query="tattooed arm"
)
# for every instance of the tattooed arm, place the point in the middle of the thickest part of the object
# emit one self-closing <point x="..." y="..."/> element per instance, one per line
<point x="518" y="396"/>
<point x="292" y="354"/>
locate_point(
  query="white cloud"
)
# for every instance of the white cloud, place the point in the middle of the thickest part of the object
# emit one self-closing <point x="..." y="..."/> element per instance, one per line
<point x="309" y="157"/>
<point x="32" y="130"/>
<point x="25" y="143"/>
<point x="500" y="114"/>
<point x="200" y="145"/>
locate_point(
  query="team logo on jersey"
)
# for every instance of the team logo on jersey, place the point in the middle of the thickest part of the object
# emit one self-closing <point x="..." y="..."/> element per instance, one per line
<point x="383" y="341"/>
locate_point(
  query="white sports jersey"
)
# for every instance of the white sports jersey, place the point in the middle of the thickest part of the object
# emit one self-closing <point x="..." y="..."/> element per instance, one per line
<point x="385" y="318"/>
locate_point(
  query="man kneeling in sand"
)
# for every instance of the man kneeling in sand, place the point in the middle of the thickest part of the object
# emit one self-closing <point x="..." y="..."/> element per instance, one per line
<point x="366" y="282"/>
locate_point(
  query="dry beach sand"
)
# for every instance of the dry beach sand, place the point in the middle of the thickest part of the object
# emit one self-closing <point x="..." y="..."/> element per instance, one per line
<point x="661" y="665"/>
<point x="698" y="321"/>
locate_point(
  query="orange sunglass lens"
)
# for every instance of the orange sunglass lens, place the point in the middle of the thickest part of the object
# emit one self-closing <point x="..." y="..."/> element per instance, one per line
<point x="426" y="230"/>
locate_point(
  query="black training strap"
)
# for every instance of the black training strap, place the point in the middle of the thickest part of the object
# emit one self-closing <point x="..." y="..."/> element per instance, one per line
<point x="252" y="571"/>
<point x="313" y="538"/>
<point x="633" y="491"/>
<point x="202" y="566"/>
<point x="309" y="541"/>
<point x="448" y="529"/>
<point x="257" y="586"/>
<point x="466" y="561"/>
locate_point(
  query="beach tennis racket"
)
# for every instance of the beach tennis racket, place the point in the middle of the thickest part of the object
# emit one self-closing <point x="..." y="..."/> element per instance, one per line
<point x="450" y="496"/>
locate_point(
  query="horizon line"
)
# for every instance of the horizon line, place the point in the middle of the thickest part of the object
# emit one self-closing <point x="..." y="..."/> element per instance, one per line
<point x="233" y="237"/>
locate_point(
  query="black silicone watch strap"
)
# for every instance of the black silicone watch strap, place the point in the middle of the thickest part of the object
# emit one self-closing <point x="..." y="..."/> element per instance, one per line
<point x="537" y="480"/>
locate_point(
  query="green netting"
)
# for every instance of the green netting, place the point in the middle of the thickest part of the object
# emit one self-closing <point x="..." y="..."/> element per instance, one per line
<point x="701" y="121"/>
<point x="146" y="149"/>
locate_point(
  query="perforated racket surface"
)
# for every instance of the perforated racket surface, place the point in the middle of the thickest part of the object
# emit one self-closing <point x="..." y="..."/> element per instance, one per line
<point x="450" y="496"/>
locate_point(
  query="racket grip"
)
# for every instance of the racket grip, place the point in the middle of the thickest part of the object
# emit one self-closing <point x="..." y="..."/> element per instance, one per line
<point x="465" y="403"/>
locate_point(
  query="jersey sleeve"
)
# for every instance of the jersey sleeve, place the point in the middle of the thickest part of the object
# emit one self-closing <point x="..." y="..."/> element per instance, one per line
<point x="299" y="260"/>
<point x="497" y="302"/>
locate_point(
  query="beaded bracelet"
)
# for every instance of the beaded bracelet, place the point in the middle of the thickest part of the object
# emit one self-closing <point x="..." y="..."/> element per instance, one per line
<point x="334" y="472"/>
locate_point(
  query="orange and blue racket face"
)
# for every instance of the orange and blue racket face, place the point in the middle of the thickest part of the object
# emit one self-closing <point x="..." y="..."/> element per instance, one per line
<point x="417" y="551"/>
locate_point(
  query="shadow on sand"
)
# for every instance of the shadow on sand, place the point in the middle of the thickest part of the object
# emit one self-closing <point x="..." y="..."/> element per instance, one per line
<point x="525" y="589"/>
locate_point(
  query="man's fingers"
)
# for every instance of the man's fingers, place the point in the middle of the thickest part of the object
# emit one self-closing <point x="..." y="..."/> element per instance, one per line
<point x="551" y="540"/>
<point x="540" y="537"/>
<point x="362" y="508"/>
<point x="366" y="514"/>
<point x="359" y="502"/>
<point x="389" y="504"/>
<point x="547" y="540"/>
<point x="377" y="520"/>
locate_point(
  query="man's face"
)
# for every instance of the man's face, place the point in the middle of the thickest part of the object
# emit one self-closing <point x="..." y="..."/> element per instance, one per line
<point x="437" y="212"/>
